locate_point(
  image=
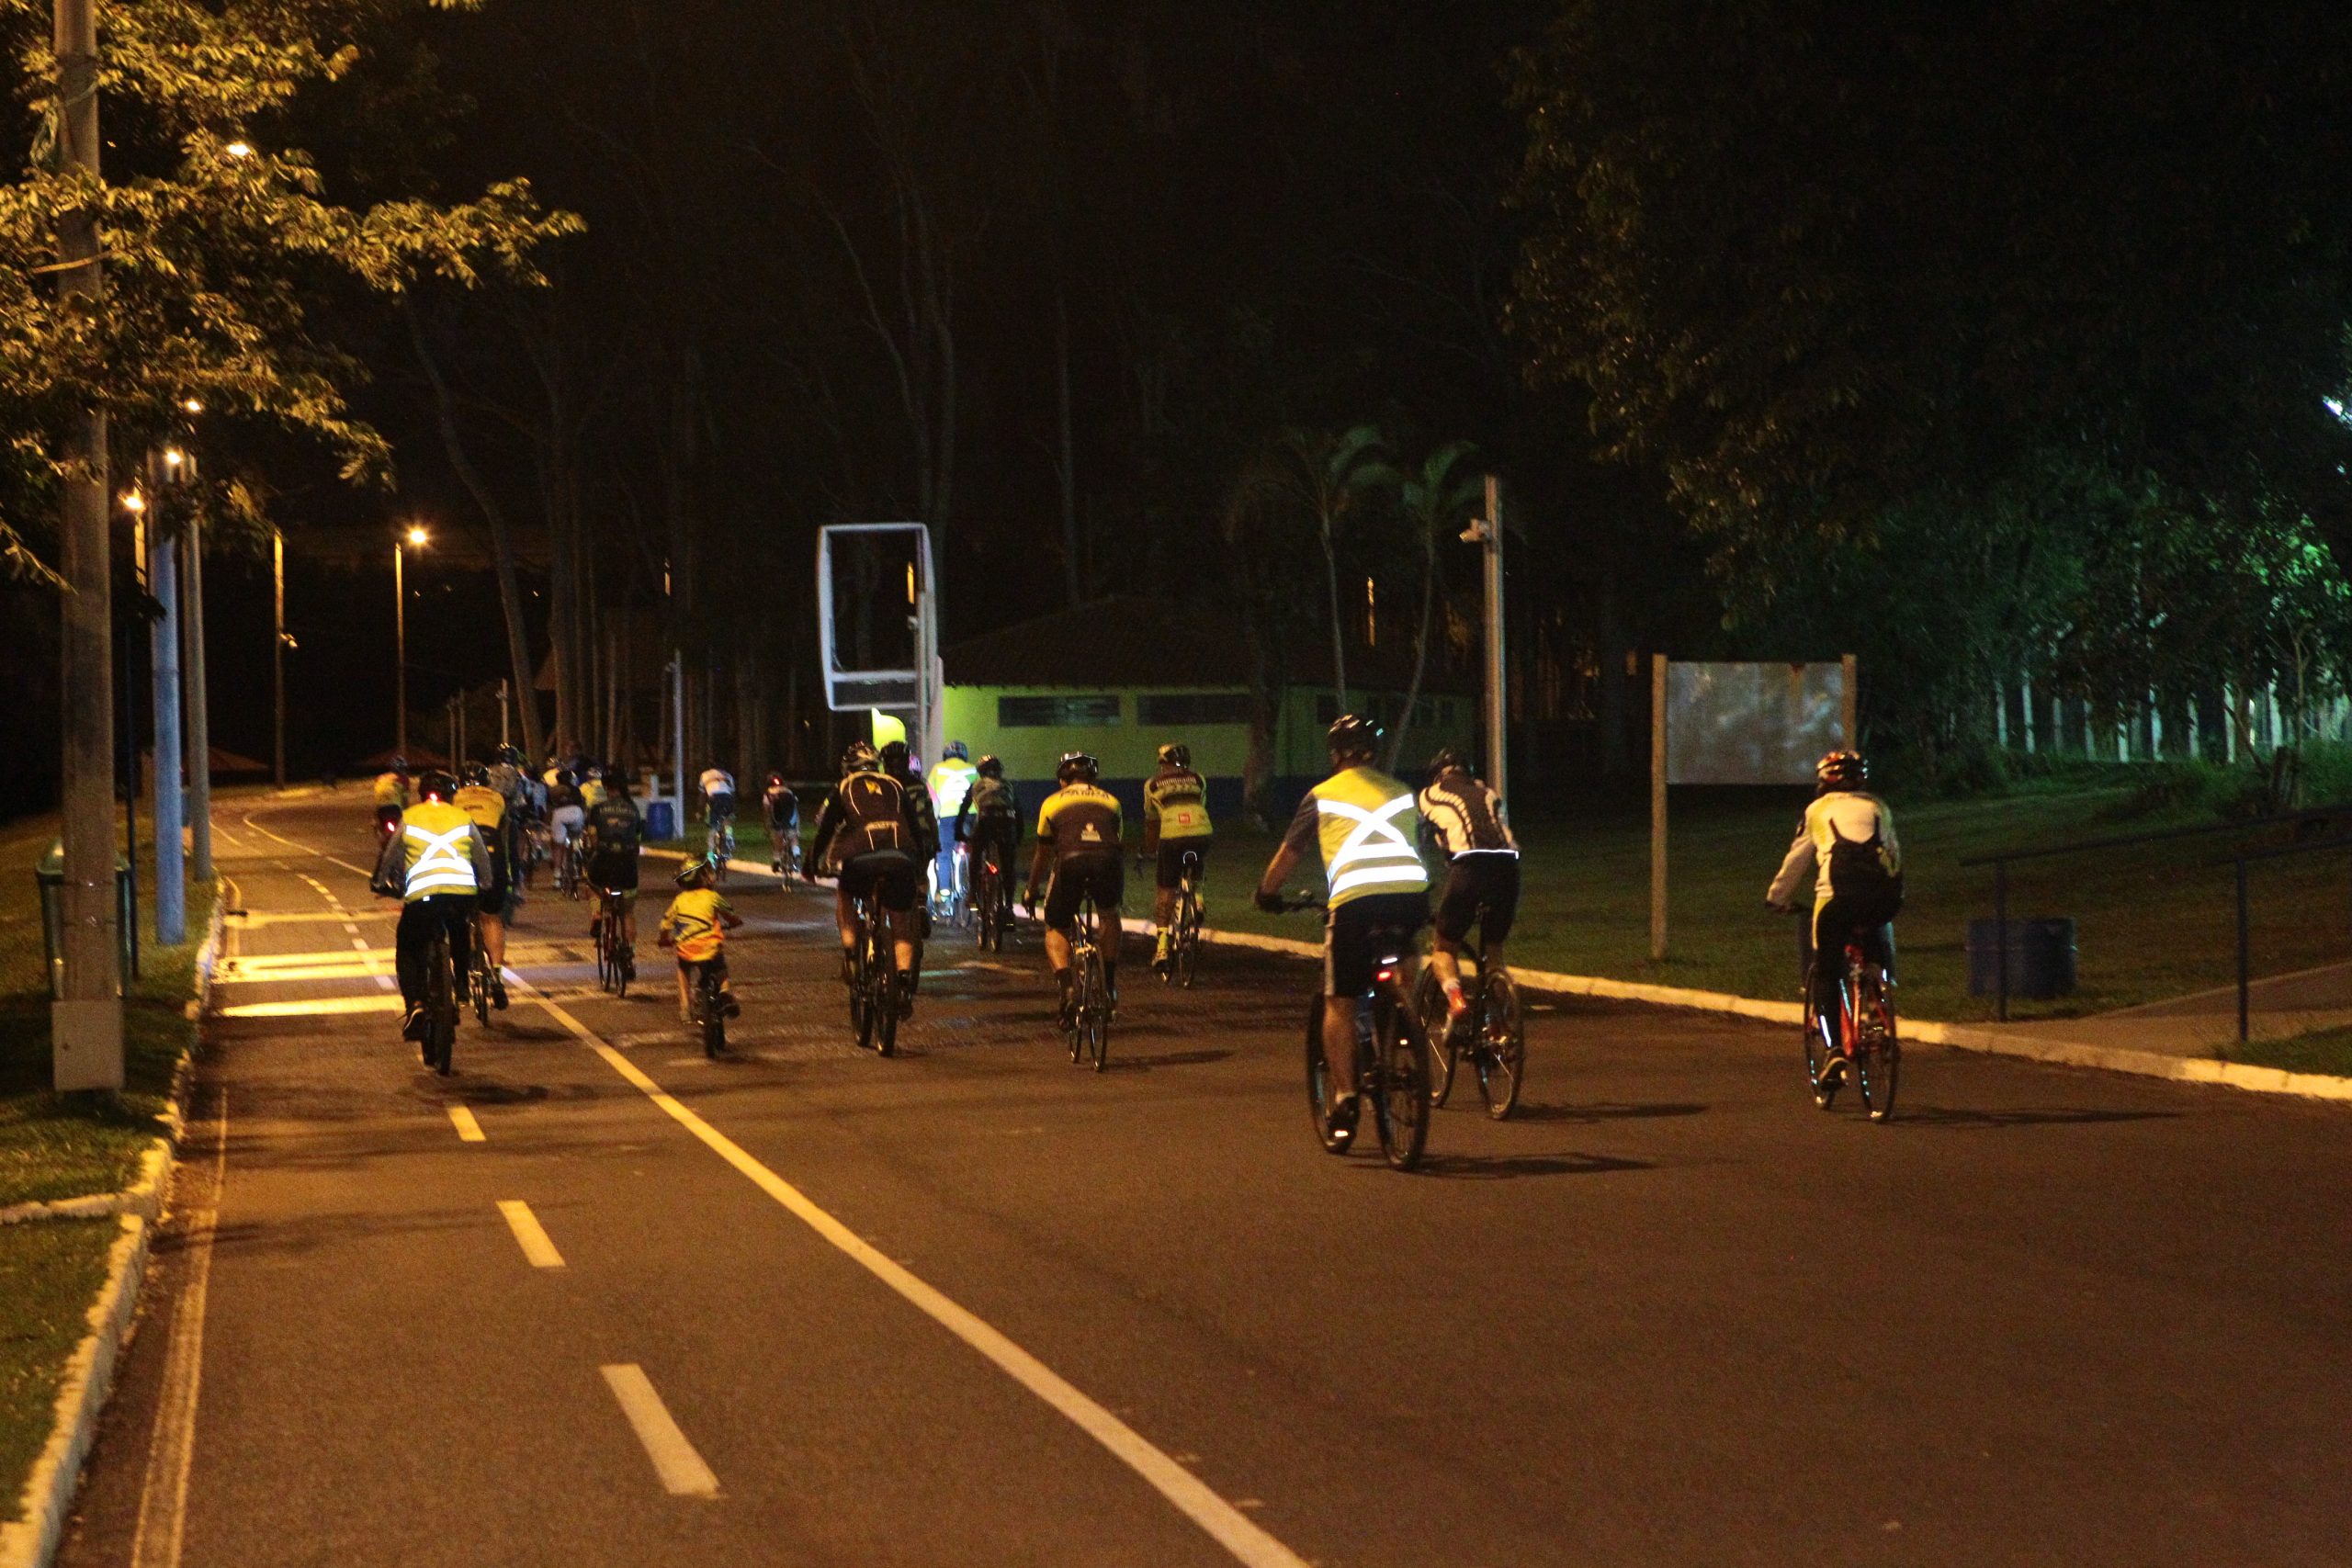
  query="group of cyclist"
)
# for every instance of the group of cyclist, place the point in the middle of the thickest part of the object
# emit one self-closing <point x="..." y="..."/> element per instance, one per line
<point x="449" y="856"/>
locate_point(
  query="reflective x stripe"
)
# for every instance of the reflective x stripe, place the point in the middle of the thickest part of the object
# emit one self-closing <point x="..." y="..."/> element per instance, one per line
<point x="444" y="863"/>
<point x="1375" y="852"/>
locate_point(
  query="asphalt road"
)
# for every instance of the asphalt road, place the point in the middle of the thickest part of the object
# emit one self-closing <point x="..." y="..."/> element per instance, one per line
<point x="977" y="1306"/>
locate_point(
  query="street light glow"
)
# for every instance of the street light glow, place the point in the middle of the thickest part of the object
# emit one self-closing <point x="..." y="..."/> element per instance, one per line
<point x="416" y="537"/>
<point x="192" y="405"/>
<point x="173" y="457"/>
<point x="133" y="501"/>
<point x="239" y="148"/>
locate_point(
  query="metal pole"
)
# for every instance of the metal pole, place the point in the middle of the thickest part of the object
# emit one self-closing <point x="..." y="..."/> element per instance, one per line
<point x="678" y="739"/>
<point x="1657" y="807"/>
<point x="164" y="650"/>
<point x="277" y="656"/>
<point x="199" y="710"/>
<point x="1850" y="700"/>
<point x="505" y="713"/>
<point x="400" y="656"/>
<point x="2242" y="951"/>
<point x="2001" y="937"/>
<point x="129" y="711"/>
<point x="1498" y="692"/>
<point x="85" y="1022"/>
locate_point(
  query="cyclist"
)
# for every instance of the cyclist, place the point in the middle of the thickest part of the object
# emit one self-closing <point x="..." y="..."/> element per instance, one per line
<point x="696" y="924"/>
<point x="567" y="813"/>
<point x="870" y="828"/>
<point x="487" y="807"/>
<point x="988" y="823"/>
<point x="434" y="864"/>
<point x="592" y="786"/>
<point x="1078" y="838"/>
<point x="951" y="786"/>
<point x="718" y="797"/>
<point x="895" y="763"/>
<point x="391" y="797"/>
<point x="613" y="832"/>
<point x="1364" y="824"/>
<point x="1175" y="827"/>
<point x="1466" y="820"/>
<point x="783" y="810"/>
<point x="1846" y="844"/>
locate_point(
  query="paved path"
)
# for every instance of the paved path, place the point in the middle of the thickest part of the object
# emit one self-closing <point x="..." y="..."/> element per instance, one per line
<point x="976" y="1306"/>
<point x="2205" y="1024"/>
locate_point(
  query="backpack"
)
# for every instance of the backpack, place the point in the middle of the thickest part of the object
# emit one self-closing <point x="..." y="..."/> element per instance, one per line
<point x="1858" y="869"/>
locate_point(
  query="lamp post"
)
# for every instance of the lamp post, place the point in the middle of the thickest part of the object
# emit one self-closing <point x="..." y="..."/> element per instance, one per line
<point x="415" y="536"/>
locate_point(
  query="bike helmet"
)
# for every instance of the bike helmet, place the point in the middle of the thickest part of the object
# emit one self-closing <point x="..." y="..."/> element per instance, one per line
<point x="989" y="767"/>
<point x="1842" y="770"/>
<point x="436" y="785"/>
<point x="616" y="779"/>
<point x="473" y="773"/>
<point x="693" y="873"/>
<point x="1077" y="765"/>
<point x="1176" y="754"/>
<point x="775" y="781"/>
<point x="858" y="757"/>
<point x="1352" y="735"/>
<point x="893" y="757"/>
<point x="399" y="764"/>
<point x="512" y="755"/>
<point x="1448" y="761"/>
<point x="955" y="750"/>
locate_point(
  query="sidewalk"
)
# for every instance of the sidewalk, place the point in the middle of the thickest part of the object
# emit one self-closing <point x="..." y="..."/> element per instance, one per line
<point x="2205" y="1024"/>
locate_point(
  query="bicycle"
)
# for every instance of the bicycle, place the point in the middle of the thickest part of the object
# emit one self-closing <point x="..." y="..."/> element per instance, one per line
<point x="873" y="991"/>
<point x="1089" y="1030"/>
<point x="567" y="868"/>
<point x="537" y="851"/>
<point x="707" y="1009"/>
<point x="616" y="965"/>
<point x="991" y="902"/>
<point x="1184" y="934"/>
<point x="1493" y="1032"/>
<point x="480" y="974"/>
<point x="1866" y="1051"/>
<point x="1392" y="1066"/>
<point x="952" y="905"/>
<point x="783" y="851"/>
<point x="440" y="1001"/>
<point x="719" y="848"/>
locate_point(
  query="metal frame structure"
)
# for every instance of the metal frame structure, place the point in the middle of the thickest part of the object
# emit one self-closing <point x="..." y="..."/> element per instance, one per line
<point x="918" y="689"/>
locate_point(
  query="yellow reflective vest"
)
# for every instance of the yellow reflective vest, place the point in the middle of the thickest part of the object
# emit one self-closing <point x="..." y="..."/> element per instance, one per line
<point x="1368" y="828"/>
<point x="441" y="852"/>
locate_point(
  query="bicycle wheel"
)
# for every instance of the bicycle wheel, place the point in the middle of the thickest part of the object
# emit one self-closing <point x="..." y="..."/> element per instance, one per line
<point x="714" y="1017"/>
<point x="1337" y="1136"/>
<point x="1402" y="1056"/>
<point x="1818" y="1053"/>
<point x="862" y="1004"/>
<point x="1095" y="1022"/>
<point x="1878" y="1058"/>
<point x="1081" y="1001"/>
<point x="884" y="1009"/>
<point x="857" y="993"/>
<point x="478" y="978"/>
<point x="1502" y="1051"/>
<point x="440" y="1006"/>
<point x="1437" y="1027"/>
<point x="1187" y="944"/>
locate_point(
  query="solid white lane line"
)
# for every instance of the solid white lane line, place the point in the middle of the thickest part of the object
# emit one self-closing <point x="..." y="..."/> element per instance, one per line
<point x="156" y="1540"/>
<point x="528" y="1233"/>
<point x="681" y="1471"/>
<point x="1247" y="1541"/>
<point x="468" y="1130"/>
<point x="321" y="1007"/>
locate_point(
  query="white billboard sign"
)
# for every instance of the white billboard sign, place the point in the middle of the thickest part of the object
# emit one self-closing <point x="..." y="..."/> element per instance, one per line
<point x="1752" y="724"/>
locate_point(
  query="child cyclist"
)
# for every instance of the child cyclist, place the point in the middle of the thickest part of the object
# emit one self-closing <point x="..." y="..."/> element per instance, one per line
<point x="697" y="924"/>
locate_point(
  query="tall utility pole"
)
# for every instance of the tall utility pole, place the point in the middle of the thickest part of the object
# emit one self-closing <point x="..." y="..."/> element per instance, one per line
<point x="163" y="649"/>
<point x="277" y="656"/>
<point x="399" y="655"/>
<point x="1487" y="533"/>
<point x="199" y="710"/>
<point x="85" y="1024"/>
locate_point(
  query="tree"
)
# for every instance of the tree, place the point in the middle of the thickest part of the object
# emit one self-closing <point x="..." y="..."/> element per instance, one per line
<point x="1434" y="500"/>
<point x="1327" y="476"/>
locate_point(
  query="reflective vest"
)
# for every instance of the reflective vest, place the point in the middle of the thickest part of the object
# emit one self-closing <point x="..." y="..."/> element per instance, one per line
<point x="1367" y="826"/>
<point x="951" y="781"/>
<point x="436" y="846"/>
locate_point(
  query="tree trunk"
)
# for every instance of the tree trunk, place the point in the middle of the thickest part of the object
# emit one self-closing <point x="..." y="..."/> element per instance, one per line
<point x="1339" y="633"/>
<point x="1420" y="643"/>
<point x="1068" y="463"/>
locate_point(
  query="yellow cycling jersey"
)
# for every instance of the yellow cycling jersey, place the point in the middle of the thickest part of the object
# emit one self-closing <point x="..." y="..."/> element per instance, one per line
<point x="484" y="804"/>
<point x="592" y="791"/>
<point x="391" y="789"/>
<point x="696" y="922"/>
<point x="1081" y="819"/>
<point x="1176" y="805"/>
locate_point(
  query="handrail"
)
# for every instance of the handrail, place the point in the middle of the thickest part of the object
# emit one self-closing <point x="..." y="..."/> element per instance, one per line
<point x="2310" y="814"/>
<point x="2240" y="860"/>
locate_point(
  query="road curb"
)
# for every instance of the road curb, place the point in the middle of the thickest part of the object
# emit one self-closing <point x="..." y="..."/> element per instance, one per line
<point x="32" y="1541"/>
<point x="1957" y="1036"/>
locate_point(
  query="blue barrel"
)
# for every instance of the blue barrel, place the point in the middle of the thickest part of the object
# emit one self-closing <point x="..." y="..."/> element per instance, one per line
<point x="2043" y="960"/>
<point x="661" y="820"/>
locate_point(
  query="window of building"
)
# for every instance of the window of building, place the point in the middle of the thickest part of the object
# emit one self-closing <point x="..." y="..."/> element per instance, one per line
<point x="1094" y="711"/>
<point x="1193" y="708"/>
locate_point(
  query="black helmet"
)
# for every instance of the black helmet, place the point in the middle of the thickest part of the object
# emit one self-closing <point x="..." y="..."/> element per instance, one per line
<point x="989" y="767"/>
<point x="399" y="764"/>
<point x="617" y="778"/>
<point x="1352" y="735"/>
<point x="511" y="754"/>
<point x="894" y="757"/>
<point x="1175" y="755"/>
<point x="473" y="773"/>
<point x="693" y="873"/>
<point x="955" y="750"/>
<point x="1448" y="761"/>
<point x="858" y="757"/>
<point x="1077" y="765"/>
<point x="1842" y="770"/>
<point x="436" y="785"/>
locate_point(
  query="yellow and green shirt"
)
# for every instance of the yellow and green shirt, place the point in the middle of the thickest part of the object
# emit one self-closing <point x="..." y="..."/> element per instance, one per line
<point x="696" y="922"/>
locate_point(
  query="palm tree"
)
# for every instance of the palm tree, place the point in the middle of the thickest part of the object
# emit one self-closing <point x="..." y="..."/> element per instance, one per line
<point x="1327" y="476"/>
<point x="1434" y="501"/>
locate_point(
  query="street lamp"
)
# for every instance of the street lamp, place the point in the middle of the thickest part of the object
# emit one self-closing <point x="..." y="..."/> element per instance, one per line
<point x="415" y="538"/>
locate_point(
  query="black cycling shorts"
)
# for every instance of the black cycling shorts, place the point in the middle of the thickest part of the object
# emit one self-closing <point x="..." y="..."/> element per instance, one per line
<point x="1479" y="882"/>
<point x="1171" y="859"/>
<point x="1075" y="876"/>
<point x="885" y="875"/>
<point x="722" y="807"/>
<point x="494" y="896"/>
<point x="1361" y="931"/>
<point x="717" y="965"/>
<point x="613" y="871"/>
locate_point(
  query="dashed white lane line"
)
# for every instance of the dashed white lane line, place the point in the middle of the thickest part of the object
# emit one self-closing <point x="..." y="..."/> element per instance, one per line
<point x="468" y="1130"/>
<point x="681" y="1471"/>
<point x="1247" y="1541"/>
<point x="531" y="1235"/>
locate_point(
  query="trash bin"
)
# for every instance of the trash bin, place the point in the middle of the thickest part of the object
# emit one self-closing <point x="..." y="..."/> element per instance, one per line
<point x="2042" y="960"/>
<point x="49" y="875"/>
<point x="661" y="821"/>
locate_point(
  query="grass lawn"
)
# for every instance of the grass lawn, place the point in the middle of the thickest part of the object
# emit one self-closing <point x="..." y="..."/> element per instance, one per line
<point x="50" y="1273"/>
<point x="2322" y="1051"/>
<point x="55" y="1146"/>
